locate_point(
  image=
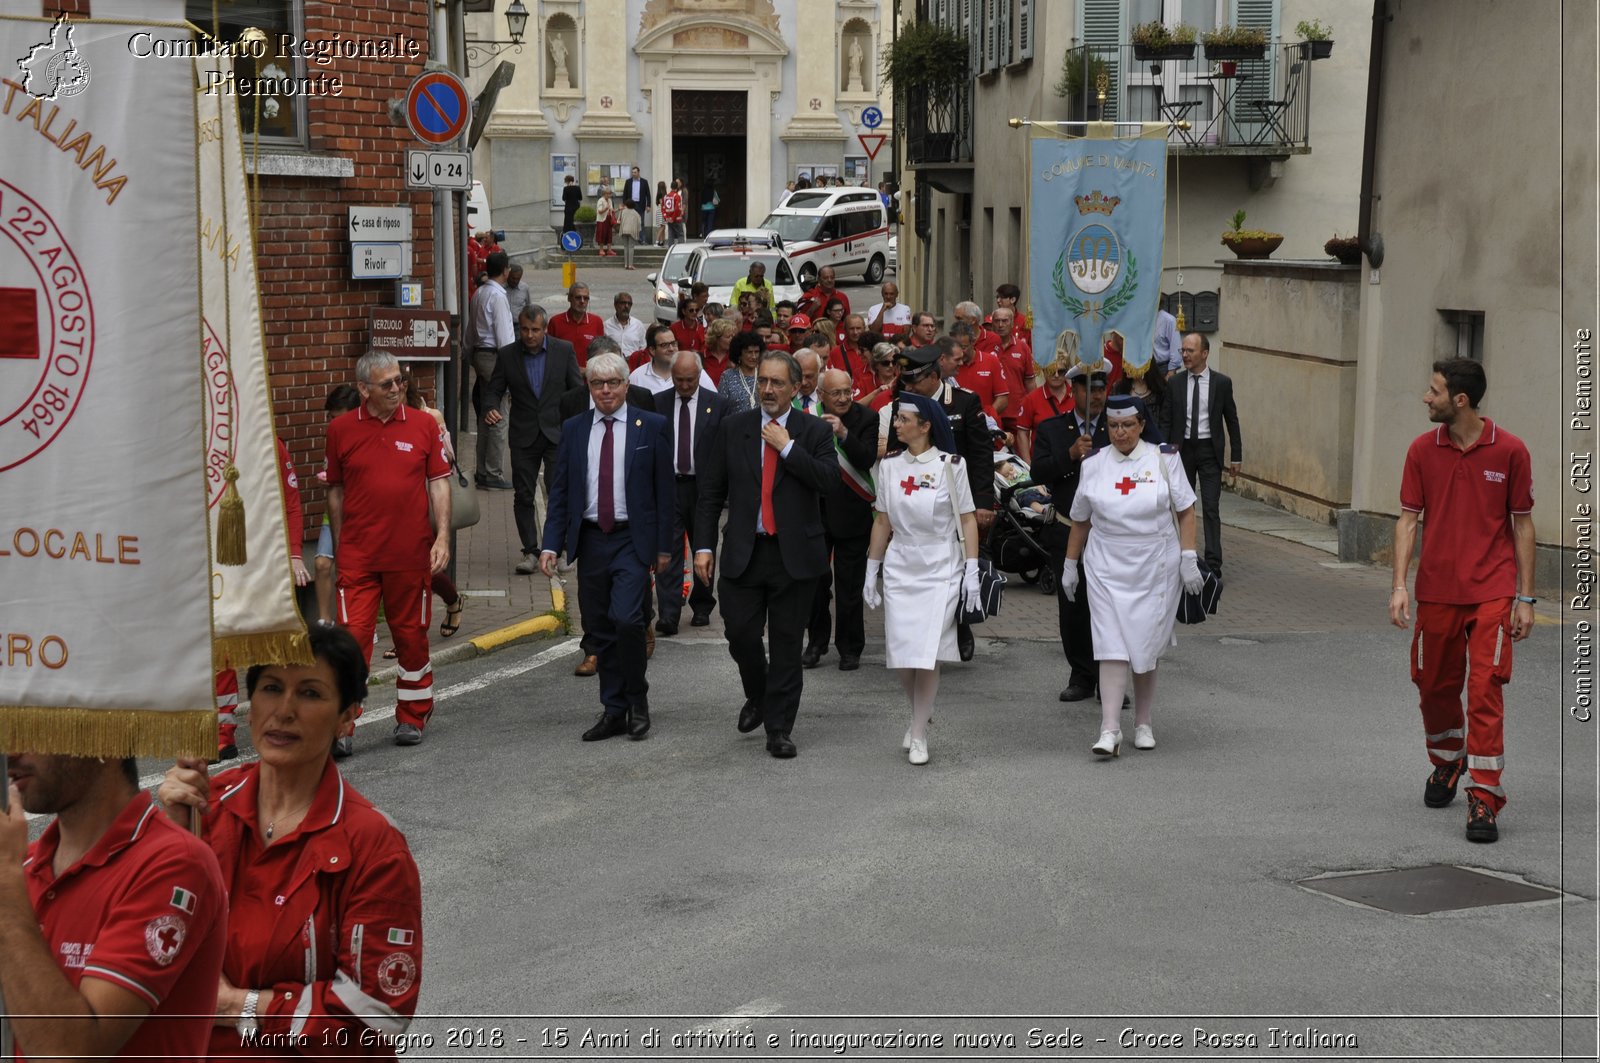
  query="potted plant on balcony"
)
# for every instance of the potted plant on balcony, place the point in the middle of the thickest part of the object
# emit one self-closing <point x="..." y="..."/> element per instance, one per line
<point x="1250" y="243"/>
<point x="1081" y="71"/>
<point x="1234" y="42"/>
<point x="1154" y="41"/>
<point x="927" y="63"/>
<point x="1347" y="249"/>
<point x="1316" y="39"/>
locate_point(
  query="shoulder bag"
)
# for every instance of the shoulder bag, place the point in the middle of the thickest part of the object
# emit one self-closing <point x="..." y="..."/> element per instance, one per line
<point x="463" y="499"/>
<point x="1192" y="608"/>
<point x="991" y="581"/>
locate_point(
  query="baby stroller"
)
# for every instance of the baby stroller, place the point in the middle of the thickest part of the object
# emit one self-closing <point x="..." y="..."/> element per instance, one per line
<point x="1023" y="511"/>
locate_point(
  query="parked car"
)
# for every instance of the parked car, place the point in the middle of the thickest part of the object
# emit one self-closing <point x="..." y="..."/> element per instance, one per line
<point x="846" y="228"/>
<point x="719" y="261"/>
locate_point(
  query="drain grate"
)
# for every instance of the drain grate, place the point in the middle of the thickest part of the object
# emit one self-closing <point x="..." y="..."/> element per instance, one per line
<point x="1425" y="890"/>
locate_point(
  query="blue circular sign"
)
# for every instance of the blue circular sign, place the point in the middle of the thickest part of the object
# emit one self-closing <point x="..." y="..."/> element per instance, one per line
<point x="872" y="118"/>
<point x="571" y="240"/>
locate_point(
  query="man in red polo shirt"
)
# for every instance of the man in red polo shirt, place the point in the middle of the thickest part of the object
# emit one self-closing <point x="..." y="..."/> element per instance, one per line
<point x="848" y="356"/>
<point x="1471" y="481"/>
<point x="1015" y="356"/>
<point x="816" y="299"/>
<point x="115" y="916"/>
<point x="577" y="326"/>
<point x="1041" y="404"/>
<point x="386" y="472"/>
<point x="980" y="374"/>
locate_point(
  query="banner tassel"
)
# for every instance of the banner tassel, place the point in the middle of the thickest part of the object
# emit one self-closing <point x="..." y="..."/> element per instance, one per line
<point x="230" y="522"/>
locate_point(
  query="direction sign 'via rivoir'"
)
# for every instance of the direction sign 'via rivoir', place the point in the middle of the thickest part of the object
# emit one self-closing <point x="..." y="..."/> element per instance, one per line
<point x="437" y="107"/>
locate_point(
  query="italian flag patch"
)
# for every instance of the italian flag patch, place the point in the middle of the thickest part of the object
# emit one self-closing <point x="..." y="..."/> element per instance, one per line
<point x="183" y="900"/>
<point x="400" y="937"/>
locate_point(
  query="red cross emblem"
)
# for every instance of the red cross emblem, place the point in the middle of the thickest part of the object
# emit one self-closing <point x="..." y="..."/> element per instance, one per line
<point x="1125" y="486"/>
<point x="909" y="484"/>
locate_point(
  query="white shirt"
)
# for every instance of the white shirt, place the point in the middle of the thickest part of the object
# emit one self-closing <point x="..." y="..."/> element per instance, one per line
<point x="517" y="297"/>
<point x="899" y="314"/>
<point x="619" y="453"/>
<point x="815" y="398"/>
<point x="1202" y="382"/>
<point x="645" y="377"/>
<point x="629" y="336"/>
<point x="491" y="316"/>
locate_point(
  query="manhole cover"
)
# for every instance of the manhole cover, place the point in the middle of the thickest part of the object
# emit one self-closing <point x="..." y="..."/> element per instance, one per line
<point x="1425" y="890"/>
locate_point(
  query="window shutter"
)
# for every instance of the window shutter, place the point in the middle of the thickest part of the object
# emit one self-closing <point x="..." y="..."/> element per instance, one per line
<point x="1102" y="30"/>
<point x="969" y="27"/>
<point x="1024" y="29"/>
<point x="989" y="34"/>
<point x="1261" y="15"/>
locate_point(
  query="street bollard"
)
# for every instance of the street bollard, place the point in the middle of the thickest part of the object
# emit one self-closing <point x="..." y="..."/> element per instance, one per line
<point x="569" y="273"/>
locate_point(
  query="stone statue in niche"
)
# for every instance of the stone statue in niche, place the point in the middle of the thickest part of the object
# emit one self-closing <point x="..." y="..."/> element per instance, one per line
<point x="558" y="54"/>
<point x="853" y="82"/>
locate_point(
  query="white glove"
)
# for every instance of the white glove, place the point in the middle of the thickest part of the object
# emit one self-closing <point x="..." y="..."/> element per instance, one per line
<point x="1189" y="568"/>
<point x="971" y="588"/>
<point x="1069" y="580"/>
<point x="871" y="597"/>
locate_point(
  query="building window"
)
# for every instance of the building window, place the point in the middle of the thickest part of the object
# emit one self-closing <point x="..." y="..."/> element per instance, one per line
<point x="282" y="116"/>
<point x="1461" y="334"/>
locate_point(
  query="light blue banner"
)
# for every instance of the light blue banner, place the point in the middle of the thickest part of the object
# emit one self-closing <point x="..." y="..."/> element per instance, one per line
<point x="1097" y="216"/>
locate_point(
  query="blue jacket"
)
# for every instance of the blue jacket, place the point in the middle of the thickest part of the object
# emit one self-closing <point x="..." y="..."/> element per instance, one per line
<point x="647" y="483"/>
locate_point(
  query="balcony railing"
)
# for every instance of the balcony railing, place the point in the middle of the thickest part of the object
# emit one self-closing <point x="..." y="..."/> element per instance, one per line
<point x="938" y="128"/>
<point x="1242" y="106"/>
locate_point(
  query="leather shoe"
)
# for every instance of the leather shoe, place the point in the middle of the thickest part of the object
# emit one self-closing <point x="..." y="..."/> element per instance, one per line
<point x="496" y="485"/>
<point x="607" y="726"/>
<point x="588" y="666"/>
<point x="812" y="656"/>
<point x="964" y="641"/>
<point x="701" y="620"/>
<point x="779" y="746"/>
<point x="1077" y="692"/>
<point x="849" y="662"/>
<point x="638" y="722"/>
<point x="649" y="643"/>
<point x="750" y="717"/>
<point x="665" y="629"/>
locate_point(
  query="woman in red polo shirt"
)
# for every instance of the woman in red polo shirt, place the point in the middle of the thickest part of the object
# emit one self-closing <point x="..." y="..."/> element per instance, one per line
<point x="324" y="898"/>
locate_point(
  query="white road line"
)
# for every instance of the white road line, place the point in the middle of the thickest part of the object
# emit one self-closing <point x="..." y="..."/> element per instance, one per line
<point x="755" y="1009"/>
<point x="510" y="671"/>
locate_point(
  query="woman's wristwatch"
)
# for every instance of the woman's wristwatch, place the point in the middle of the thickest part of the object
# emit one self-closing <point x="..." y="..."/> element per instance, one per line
<point x="247" y="1024"/>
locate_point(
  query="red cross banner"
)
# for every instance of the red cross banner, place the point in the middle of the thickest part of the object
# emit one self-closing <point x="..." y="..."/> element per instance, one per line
<point x="105" y="619"/>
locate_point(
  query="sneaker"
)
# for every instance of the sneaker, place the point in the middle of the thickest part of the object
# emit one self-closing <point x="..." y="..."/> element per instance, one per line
<point x="1480" y="820"/>
<point x="527" y="566"/>
<point x="344" y="747"/>
<point x="407" y="734"/>
<point x="1441" y="788"/>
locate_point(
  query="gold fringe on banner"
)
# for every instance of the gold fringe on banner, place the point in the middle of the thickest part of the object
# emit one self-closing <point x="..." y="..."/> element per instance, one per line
<point x="230" y="522"/>
<point x="263" y="647"/>
<point x="109" y="732"/>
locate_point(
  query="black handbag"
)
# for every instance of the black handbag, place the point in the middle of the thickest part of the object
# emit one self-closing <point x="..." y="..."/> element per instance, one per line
<point x="991" y="581"/>
<point x="1193" y="607"/>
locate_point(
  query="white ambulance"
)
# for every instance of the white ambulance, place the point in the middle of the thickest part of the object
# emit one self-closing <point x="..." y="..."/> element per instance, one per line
<point x="845" y="228"/>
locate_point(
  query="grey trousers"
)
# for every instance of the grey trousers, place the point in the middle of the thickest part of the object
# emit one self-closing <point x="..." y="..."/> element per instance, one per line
<point x="492" y="451"/>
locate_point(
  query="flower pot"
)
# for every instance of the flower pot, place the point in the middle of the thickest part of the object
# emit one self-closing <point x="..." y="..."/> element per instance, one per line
<point x="1252" y="246"/>
<point x="1234" y="51"/>
<point x="1316" y="49"/>
<point x="1347" y="251"/>
<point x="1147" y="53"/>
<point x="1229" y="68"/>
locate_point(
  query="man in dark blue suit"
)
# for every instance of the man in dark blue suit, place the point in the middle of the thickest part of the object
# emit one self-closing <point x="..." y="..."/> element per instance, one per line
<point x="611" y="504"/>
<point x="694" y="415"/>
<point x="771" y="466"/>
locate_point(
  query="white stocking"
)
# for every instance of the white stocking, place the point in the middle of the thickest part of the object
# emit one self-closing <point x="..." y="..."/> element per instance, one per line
<point x="1144" y="696"/>
<point x="1113" y="685"/>
<point x="925" y="686"/>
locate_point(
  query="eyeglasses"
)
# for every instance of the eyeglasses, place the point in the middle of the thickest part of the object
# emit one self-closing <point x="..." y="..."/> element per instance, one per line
<point x="609" y="382"/>
<point x="838" y="393"/>
<point x="391" y="384"/>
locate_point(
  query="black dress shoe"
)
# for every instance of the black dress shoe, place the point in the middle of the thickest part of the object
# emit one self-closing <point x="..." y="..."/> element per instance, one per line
<point x="964" y="641"/>
<point x="849" y="662"/>
<point x="638" y="722"/>
<point x="750" y="717"/>
<point x="812" y="656"/>
<point x="665" y="629"/>
<point x="1077" y="692"/>
<point x="701" y="620"/>
<point x="779" y="746"/>
<point x="607" y="726"/>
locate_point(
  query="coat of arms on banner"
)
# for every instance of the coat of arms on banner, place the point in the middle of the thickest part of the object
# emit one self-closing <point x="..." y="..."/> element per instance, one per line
<point x="1094" y="260"/>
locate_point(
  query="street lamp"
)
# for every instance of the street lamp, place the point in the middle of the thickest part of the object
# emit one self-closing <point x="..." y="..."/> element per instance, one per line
<point x="480" y="52"/>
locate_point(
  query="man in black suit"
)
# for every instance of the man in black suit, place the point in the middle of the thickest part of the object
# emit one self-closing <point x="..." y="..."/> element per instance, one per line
<point x="636" y="196"/>
<point x="610" y="508"/>
<point x="1199" y="407"/>
<point x="694" y="416"/>
<point x="536" y="369"/>
<point x="847" y="518"/>
<point x="771" y="467"/>
<point x="1060" y="445"/>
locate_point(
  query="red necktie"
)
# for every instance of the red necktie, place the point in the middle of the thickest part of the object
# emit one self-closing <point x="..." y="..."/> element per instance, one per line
<point x="684" y="416"/>
<point x="769" y="470"/>
<point x="606" y="504"/>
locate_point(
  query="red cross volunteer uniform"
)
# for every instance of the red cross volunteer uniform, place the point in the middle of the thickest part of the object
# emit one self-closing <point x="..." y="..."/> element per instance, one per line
<point x="145" y="910"/>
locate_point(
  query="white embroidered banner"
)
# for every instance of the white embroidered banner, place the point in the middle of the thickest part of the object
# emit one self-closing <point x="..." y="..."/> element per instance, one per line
<point x="105" y="604"/>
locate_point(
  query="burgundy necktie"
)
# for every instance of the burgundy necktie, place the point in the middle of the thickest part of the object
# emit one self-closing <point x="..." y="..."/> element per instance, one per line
<point x="685" y="415"/>
<point x="607" y="506"/>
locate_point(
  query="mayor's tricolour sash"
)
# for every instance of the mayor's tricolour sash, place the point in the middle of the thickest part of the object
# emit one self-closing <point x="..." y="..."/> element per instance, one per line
<point x="105" y="615"/>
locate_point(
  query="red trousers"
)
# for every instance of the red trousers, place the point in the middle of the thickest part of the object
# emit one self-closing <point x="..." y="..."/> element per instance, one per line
<point x="1472" y="644"/>
<point x="227" y="705"/>
<point x="408" y="607"/>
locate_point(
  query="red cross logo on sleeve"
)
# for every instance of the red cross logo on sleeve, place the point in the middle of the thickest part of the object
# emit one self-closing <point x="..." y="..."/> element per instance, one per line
<point x="909" y="484"/>
<point x="170" y="939"/>
<point x="1125" y="486"/>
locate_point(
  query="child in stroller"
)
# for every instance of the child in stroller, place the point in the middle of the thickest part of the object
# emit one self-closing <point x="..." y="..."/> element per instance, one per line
<point x="1024" y="510"/>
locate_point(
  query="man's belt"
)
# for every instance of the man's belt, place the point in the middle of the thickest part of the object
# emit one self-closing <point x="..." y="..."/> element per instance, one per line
<point x="616" y="525"/>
